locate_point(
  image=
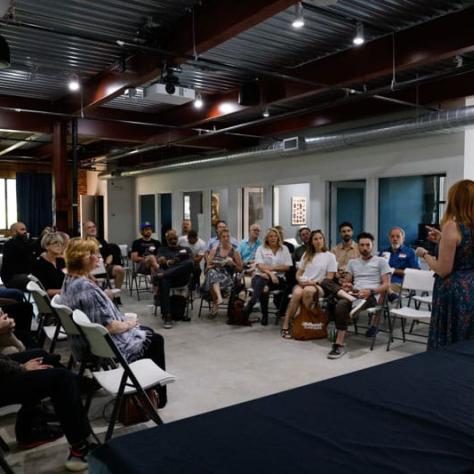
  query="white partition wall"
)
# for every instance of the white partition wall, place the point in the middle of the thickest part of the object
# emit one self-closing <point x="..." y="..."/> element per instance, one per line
<point x="433" y="154"/>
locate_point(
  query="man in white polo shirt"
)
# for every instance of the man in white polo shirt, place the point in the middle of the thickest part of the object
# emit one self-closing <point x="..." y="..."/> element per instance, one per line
<point x="367" y="277"/>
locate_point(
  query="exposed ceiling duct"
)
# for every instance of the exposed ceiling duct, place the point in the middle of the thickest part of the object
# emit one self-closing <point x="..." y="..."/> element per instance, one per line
<point x="394" y="130"/>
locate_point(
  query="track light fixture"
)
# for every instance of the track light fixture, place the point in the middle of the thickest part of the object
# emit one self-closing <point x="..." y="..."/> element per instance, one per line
<point x="266" y="112"/>
<point x="198" y="102"/>
<point x="359" y="37"/>
<point x="74" y="84"/>
<point x="4" y="53"/>
<point x="298" y="22"/>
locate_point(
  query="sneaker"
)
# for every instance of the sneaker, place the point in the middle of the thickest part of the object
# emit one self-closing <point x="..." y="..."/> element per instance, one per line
<point x="357" y="306"/>
<point x="168" y="324"/>
<point x="372" y="331"/>
<point x="337" y="351"/>
<point x="40" y="435"/>
<point x="77" y="460"/>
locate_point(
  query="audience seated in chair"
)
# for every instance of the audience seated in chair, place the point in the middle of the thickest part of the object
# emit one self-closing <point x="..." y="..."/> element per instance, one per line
<point x="248" y="248"/>
<point x="114" y="269"/>
<point x="198" y="251"/>
<point x="79" y="292"/>
<point x="281" y="231"/>
<point x="214" y="241"/>
<point x="17" y="258"/>
<point x="303" y="234"/>
<point x="175" y="270"/>
<point x="49" y="266"/>
<point x="346" y="250"/>
<point x="317" y="265"/>
<point x="185" y="228"/>
<point x="368" y="278"/>
<point x="27" y="378"/>
<point x="223" y="261"/>
<point x="399" y="257"/>
<point x="272" y="261"/>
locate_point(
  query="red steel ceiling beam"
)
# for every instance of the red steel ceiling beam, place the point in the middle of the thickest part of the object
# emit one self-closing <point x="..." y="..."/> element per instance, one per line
<point x="215" y="22"/>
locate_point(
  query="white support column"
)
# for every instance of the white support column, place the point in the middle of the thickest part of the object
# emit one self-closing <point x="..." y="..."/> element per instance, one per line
<point x="233" y="217"/>
<point x="205" y="232"/>
<point x="177" y="210"/>
<point x="372" y="207"/>
<point x="317" y="218"/>
<point x="267" y="207"/>
<point x="468" y="166"/>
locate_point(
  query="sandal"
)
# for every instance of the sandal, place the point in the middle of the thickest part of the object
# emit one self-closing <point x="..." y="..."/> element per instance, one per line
<point x="285" y="333"/>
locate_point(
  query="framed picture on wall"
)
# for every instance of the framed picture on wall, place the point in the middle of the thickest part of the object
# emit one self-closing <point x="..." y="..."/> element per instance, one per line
<point x="298" y="210"/>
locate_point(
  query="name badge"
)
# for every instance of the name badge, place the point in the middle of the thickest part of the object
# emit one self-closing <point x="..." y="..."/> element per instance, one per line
<point x="402" y="255"/>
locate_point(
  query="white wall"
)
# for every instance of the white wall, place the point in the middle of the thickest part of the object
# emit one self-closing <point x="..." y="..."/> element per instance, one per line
<point x="443" y="153"/>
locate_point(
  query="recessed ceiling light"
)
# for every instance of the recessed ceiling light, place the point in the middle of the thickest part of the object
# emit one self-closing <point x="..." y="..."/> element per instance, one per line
<point x="74" y="84"/>
<point x="359" y="37"/>
<point x="298" y="22"/>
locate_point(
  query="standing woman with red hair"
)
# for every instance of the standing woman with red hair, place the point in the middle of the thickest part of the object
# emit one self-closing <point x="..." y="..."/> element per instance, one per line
<point x="452" y="315"/>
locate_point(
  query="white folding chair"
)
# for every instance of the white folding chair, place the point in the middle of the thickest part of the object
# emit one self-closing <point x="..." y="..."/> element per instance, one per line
<point x="43" y="303"/>
<point x="126" y="379"/>
<point x="414" y="280"/>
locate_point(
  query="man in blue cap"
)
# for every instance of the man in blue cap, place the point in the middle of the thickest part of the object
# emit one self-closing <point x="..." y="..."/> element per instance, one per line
<point x="145" y="249"/>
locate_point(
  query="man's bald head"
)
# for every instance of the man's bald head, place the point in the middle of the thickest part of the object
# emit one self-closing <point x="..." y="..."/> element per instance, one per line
<point x="18" y="229"/>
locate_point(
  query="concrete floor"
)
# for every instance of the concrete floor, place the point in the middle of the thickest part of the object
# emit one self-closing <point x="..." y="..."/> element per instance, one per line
<point x="217" y="365"/>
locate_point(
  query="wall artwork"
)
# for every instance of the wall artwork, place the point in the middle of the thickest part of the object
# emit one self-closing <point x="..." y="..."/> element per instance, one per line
<point x="298" y="210"/>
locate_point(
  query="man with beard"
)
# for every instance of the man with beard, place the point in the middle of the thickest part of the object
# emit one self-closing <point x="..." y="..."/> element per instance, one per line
<point x="399" y="257"/>
<point x="347" y="249"/>
<point x="304" y="234"/>
<point x="176" y="267"/>
<point x="367" y="278"/>
<point x="17" y="258"/>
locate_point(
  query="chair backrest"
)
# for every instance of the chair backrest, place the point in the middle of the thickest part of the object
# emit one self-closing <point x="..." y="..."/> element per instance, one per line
<point x="32" y="277"/>
<point x="421" y="280"/>
<point x="41" y="298"/>
<point x="100" y="270"/>
<point x="124" y="250"/>
<point x="65" y="316"/>
<point x="100" y="343"/>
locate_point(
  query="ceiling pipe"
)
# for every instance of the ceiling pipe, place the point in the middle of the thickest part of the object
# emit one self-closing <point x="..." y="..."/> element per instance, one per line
<point x="394" y="130"/>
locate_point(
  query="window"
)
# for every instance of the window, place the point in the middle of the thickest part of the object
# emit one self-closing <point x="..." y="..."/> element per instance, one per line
<point x="8" y="207"/>
<point x="410" y="202"/>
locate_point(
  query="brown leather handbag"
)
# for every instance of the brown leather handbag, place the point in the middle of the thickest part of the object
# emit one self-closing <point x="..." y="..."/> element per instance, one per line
<point x="131" y="408"/>
<point x="310" y="324"/>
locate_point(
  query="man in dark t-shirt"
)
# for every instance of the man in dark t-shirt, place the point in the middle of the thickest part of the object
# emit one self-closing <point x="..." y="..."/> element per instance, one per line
<point x="17" y="258"/>
<point x="176" y="267"/>
<point x="144" y="250"/>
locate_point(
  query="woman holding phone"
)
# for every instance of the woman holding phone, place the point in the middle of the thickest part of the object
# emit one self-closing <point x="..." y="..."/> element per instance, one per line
<point x="452" y="315"/>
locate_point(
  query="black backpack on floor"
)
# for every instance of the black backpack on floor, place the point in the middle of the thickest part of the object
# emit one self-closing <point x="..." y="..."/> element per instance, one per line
<point x="177" y="307"/>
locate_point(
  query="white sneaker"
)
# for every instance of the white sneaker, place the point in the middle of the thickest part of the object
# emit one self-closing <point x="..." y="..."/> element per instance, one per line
<point x="357" y="305"/>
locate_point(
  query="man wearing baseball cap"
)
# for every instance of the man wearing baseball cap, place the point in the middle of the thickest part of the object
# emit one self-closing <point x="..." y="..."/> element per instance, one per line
<point x="145" y="249"/>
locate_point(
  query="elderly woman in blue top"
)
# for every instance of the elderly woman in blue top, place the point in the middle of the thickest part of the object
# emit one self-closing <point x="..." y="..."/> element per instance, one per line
<point x="79" y="291"/>
<point x="399" y="257"/>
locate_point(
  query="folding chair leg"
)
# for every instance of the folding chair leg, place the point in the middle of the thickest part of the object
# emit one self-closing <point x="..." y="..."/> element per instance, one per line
<point x="403" y="329"/>
<point x="412" y="326"/>
<point x="4" y="445"/>
<point x="55" y="338"/>
<point x="5" y="466"/>
<point x="200" y="307"/>
<point x="391" y="322"/>
<point x="149" y="407"/>
<point x="113" y="418"/>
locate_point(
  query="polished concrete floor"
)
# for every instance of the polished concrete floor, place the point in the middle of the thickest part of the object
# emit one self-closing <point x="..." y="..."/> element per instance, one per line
<point x="217" y="365"/>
